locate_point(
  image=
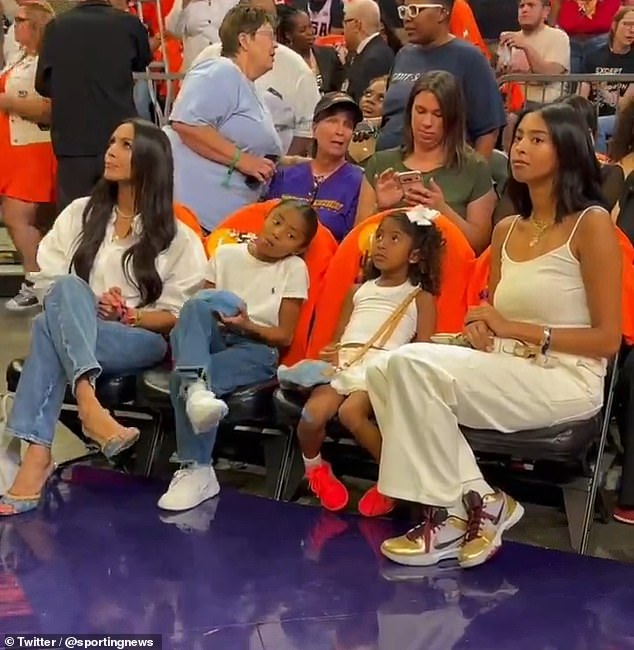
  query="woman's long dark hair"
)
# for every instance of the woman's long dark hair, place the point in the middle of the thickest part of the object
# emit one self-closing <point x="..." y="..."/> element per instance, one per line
<point x="152" y="182"/>
<point x="447" y="91"/>
<point x="577" y="184"/>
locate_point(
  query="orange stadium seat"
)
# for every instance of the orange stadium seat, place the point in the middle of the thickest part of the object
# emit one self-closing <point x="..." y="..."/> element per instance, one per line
<point x="246" y="223"/>
<point x="331" y="40"/>
<point x="187" y="216"/>
<point x="345" y="270"/>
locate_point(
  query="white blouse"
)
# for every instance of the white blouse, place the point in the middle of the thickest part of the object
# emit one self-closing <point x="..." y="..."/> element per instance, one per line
<point x="181" y="267"/>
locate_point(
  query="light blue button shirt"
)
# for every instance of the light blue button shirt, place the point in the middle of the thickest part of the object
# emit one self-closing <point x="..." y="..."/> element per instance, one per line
<point x="216" y="93"/>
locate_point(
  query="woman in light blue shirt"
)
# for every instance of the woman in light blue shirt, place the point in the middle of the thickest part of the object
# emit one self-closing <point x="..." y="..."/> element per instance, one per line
<point x="223" y="138"/>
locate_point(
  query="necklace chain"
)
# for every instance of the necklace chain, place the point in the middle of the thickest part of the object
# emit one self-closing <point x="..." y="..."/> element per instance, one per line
<point x="122" y="214"/>
<point x="541" y="228"/>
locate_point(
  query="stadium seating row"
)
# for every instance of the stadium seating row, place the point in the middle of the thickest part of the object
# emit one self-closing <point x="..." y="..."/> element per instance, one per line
<point x="270" y="415"/>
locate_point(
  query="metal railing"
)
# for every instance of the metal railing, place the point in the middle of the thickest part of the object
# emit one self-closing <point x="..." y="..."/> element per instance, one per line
<point x="541" y="88"/>
<point x="156" y="75"/>
<point x="544" y="88"/>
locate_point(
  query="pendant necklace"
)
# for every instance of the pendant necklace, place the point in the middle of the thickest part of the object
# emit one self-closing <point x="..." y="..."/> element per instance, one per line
<point x="540" y="230"/>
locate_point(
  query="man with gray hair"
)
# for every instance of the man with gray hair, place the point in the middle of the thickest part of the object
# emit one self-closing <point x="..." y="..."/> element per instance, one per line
<point x="370" y="56"/>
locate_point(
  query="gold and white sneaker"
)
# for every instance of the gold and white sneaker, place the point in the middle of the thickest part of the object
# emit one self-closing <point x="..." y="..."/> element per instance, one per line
<point x="489" y="516"/>
<point x="438" y="537"/>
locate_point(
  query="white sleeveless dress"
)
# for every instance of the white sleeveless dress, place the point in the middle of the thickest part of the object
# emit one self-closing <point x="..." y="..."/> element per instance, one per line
<point x="422" y="393"/>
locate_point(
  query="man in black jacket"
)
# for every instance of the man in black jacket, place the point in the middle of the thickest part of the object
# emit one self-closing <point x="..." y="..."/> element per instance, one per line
<point x="85" y="66"/>
<point x="369" y="55"/>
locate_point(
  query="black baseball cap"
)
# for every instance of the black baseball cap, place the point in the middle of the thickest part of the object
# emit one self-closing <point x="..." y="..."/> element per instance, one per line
<point x="339" y="100"/>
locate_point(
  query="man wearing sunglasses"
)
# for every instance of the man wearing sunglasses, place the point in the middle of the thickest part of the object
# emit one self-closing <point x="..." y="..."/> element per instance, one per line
<point x="432" y="47"/>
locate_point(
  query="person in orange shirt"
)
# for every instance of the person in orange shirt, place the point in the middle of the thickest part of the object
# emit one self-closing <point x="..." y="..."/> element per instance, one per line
<point x="462" y="23"/>
<point x="27" y="162"/>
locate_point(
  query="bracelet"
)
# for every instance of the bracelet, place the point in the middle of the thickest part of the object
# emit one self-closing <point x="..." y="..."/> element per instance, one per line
<point x="545" y="342"/>
<point x="235" y="159"/>
<point x="232" y="167"/>
<point x="131" y="317"/>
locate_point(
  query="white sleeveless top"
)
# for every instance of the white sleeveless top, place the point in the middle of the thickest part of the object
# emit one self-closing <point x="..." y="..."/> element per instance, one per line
<point x="320" y="20"/>
<point x="547" y="290"/>
<point x="372" y="306"/>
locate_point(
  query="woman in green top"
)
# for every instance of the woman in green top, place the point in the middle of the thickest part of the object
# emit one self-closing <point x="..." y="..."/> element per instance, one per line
<point x="448" y="175"/>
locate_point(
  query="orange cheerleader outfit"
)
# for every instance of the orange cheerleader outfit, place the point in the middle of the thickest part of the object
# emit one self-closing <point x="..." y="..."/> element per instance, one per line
<point x="27" y="162"/>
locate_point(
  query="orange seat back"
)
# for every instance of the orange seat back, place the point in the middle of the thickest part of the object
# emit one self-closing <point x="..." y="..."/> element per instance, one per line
<point x="462" y="23"/>
<point x="184" y="214"/>
<point x="627" y="286"/>
<point x="331" y="40"/>
<point x="247" y="222"/>
<point x="478" y="284"/>
<point x="345" y="271"/>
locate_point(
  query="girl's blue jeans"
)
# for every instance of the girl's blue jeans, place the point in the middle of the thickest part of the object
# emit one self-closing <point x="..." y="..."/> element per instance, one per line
<point x="224" y="360"/>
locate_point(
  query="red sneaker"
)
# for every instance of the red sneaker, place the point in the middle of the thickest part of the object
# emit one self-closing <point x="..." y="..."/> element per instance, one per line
<point x="624" y="515"/>
<point x="375" y="504"/>
<point x="327" y="527"/>
<point x="330" y="491"/>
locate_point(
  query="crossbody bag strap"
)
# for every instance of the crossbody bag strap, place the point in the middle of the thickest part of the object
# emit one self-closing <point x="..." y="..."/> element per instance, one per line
<point x="387" y="328"/>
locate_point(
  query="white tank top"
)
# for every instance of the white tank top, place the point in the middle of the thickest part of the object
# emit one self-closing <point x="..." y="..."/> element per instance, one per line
<point x="372" y="306"/>
<point x="546" y="291"/>
<point x="320" y="20"/>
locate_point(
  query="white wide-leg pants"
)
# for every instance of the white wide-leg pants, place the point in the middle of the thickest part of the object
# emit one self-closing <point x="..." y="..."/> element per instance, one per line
<point x="422" y="392"/>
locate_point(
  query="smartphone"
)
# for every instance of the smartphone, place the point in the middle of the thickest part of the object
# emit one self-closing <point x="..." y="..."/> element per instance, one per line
<point x="410" y="178"/>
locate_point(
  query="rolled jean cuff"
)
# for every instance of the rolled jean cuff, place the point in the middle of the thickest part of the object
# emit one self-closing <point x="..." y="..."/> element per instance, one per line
<point x="28" y="437"/>
<point x="92" y="372"/>
<point x="196" y="372"/>
<point x="189" y="463"/>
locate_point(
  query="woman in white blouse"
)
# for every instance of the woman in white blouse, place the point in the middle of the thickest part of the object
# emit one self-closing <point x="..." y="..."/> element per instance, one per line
<point x="115" y="269"/>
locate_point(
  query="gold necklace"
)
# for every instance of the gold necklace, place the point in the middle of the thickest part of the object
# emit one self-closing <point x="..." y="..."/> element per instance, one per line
<point x="123" y="215"/>
<point x="540" y="230"/>
<point x="124" y="219"/>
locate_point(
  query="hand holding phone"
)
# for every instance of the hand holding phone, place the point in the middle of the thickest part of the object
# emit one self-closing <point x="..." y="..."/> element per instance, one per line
<point x="430" y="195"/>
<point x="406" y="179"/>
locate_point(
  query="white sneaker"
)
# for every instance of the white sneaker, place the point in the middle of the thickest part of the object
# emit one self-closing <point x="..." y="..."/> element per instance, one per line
<point x="189" y="488"/>
<point x="204" y="409"/>
<point x="195" y="520"/>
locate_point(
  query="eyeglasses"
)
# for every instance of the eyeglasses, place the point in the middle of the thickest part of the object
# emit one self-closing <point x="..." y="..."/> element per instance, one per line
<point x="268" y="33"/>
<point x="412" y="11"/>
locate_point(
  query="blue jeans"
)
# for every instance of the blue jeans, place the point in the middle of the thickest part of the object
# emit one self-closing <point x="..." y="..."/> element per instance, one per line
<point x="607" y="123"/>
<point x="142" y="99"/>
<point x="225" y="360"/>
<point x="581" y="47"/>
<point x="68" y="342"/>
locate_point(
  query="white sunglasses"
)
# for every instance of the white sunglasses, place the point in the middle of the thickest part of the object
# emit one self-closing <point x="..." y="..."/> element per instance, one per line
<point x="412" y="11"/>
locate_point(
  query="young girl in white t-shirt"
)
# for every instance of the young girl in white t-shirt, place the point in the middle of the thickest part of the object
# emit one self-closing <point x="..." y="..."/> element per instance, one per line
<point x="229" y="335"/>
<point x="402" y="280"/>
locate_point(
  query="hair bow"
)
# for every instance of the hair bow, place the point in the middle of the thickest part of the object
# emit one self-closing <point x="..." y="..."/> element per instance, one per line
<point x="421" y="215"/>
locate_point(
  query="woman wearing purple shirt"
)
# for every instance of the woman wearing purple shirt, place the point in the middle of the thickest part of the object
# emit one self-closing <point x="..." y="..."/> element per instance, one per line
<point x="328" y="181"/>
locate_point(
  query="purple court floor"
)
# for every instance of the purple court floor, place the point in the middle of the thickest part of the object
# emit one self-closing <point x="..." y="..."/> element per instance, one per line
<point x="246" y="573"/>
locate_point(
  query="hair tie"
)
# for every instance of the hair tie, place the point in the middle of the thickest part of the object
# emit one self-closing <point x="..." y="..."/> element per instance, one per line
<point x="421" y="215"/>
